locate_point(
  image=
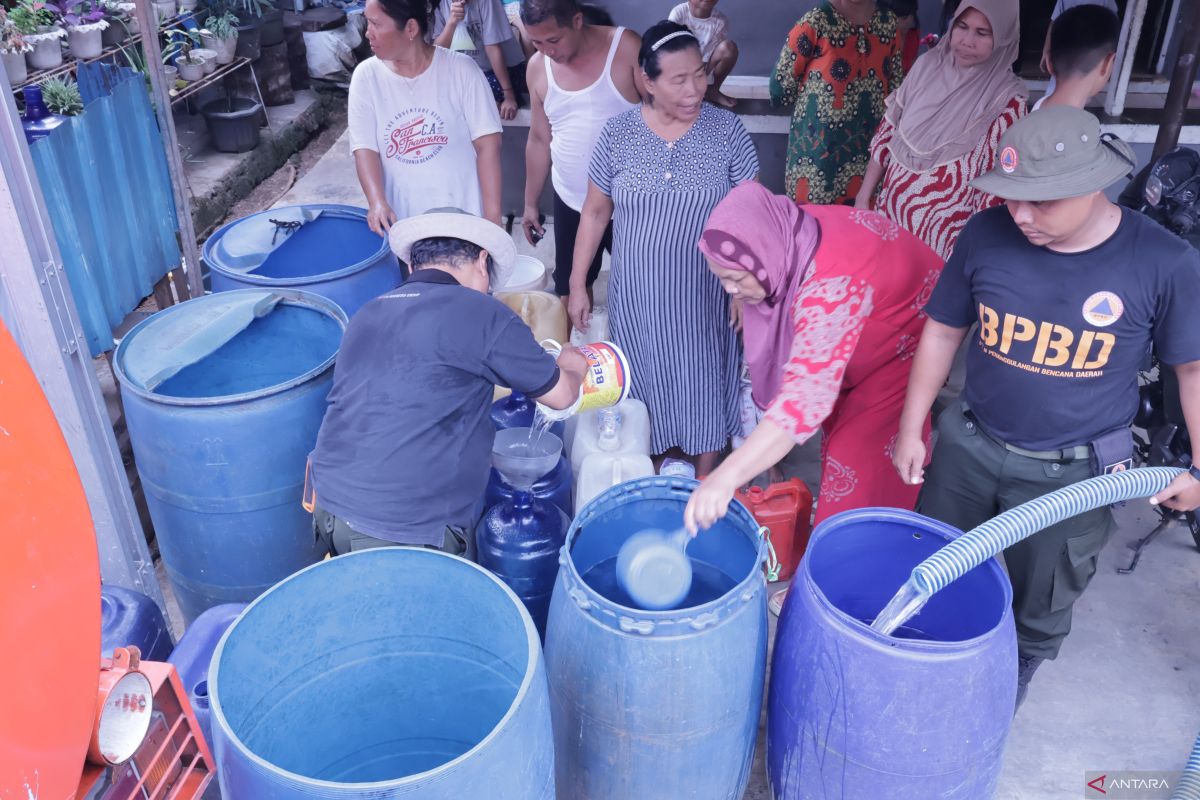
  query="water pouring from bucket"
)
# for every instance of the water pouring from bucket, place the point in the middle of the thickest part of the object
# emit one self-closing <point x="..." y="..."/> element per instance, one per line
<point x="521" y="459"/>
<point x="654" y="569"/>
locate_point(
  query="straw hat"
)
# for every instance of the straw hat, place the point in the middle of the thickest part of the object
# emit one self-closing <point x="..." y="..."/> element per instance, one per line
<point x="456" y="224"/>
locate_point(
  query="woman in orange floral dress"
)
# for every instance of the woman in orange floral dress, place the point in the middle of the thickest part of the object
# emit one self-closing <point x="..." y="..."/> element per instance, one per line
<point x="840" y="61"/>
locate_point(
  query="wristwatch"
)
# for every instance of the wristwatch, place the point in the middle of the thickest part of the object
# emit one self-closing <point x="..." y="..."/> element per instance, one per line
<point x="1194" y="471"/>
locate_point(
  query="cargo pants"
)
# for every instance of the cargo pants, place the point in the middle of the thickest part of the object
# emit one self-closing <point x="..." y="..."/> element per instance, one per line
<point x="339" y="538"/>
<point x="972" y="477"/>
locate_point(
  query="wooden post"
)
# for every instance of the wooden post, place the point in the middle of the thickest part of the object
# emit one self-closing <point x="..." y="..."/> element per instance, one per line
<point x="148" y="23"/>
<point x="1182" y="78"/>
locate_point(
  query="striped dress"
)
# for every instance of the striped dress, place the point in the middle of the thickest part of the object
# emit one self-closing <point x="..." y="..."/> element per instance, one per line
<point x="666" y="310"/>
<point x="936" y="204"/>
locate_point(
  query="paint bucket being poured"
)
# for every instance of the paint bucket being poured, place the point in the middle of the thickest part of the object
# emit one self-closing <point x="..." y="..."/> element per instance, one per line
<point x="606" y="383"/>
<point x="654" y="570"/>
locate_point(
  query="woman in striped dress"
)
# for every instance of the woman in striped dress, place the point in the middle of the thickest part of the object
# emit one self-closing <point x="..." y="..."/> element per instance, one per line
<point x="943" y="127"/>
<point x="657" y="171"/>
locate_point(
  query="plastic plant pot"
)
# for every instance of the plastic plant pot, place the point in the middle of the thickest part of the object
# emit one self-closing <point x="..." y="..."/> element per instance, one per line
<point x="233" y="123"/>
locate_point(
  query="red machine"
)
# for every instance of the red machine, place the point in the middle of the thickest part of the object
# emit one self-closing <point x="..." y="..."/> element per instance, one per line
<point x="786" y="510"/>
<point x="72" y="725"/>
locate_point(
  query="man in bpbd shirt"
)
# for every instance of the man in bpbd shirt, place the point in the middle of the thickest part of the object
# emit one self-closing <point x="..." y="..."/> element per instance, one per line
<point x="404" y="450"/>
<point x="1071" y="293"/>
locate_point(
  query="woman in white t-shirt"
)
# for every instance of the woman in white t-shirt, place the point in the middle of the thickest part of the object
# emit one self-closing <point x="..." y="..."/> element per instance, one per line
<point x="424" y="128"/>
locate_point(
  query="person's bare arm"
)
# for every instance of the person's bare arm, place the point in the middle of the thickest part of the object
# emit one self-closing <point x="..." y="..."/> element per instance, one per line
<point x="870" y="183"/>
<point x="593" y="219"/>
<point x="627" y="75"/>
<point x="537" y="152"/>
<point x="931" y="366"/>
<point x="487" y="163"/>
<point x="1184" y="492"/>
<point x="495" y="57"/>
<point x="765" y="447"/>
<point x="458" y="12"/>
<point x="368" y="165"/>
<point x="572" y="368"/>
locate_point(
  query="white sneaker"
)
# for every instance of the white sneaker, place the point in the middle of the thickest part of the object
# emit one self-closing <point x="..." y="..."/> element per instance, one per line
<point x="775" y="603"/>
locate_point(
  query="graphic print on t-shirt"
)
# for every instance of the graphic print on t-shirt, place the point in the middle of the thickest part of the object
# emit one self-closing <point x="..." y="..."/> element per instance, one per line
<point x="1047" y="348"/>
<point x="415" y="136"/>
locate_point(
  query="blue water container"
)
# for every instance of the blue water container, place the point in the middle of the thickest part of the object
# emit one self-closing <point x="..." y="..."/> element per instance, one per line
<point x="556" y="487"/>
<point x="323" y="248"/>
<point x="518" y="541"/>
<point x="386" y="673"/>
<point x="518" y="411"/>
<point x="193" y="655"/>
<point x="917" y="715"/>
<point x="223" y="398"/>
<point x="656" y="705"/>
<point x="128" y="618"/>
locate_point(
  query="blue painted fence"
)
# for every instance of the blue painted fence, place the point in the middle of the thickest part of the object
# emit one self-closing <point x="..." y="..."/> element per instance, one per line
<point x="105" y="180"/>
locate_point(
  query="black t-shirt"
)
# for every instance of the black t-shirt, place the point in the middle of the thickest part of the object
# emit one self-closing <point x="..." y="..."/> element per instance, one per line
<point x="1063" y="335"/>
<point x="405" y="446"/>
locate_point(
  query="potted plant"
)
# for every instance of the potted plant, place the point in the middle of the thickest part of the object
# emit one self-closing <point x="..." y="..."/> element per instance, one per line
<point x="37" y="22"/>
<point x="210" y="59"/>
<point x="13" y="48"/>
<point x="85" y="23"/>
<point x="61" y="96"/>
<point x="121" y="22"/>
<point x="220" y="35"/>
<point x="165" y="10"/>
<point x="180" y="42"/>
<point x="232" y="123"/>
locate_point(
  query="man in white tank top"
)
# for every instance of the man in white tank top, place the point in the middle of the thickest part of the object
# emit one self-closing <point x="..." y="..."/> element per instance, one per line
<point x="581" y="76"/>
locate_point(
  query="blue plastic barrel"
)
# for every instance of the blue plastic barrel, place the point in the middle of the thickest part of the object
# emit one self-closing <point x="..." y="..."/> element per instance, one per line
<point x="223" y="397"/>
<point x="656" y="705"/>
<point x="131" y="618"/>
<point x="387" y="673"/>
<point x="193" y="655"/>
<point x="923" y="714"/>
<point x="556" y="486"/>
<point x="323" y="248"/>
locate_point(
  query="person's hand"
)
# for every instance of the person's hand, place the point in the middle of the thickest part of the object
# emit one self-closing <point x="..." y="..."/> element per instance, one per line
<point x="862" y="201"/>
<point x="534" y="232"/>
<point x="1182" y="494"/>
<point x="579" y="308"/>
<point x="709" y="502"/>
<point x="1044" y="64"/>
<point x="508" y="106"/>
<point x="458" y="12"/>
<point x="570" y="359"/>
<point x="381" y="218"/>
<point x="735" y="313"/>
<point x="908" y="458"/>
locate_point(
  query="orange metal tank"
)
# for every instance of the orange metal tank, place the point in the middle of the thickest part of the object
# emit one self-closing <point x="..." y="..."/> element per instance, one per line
<point x="786" y="510"/>
<point x="49" y="596"/>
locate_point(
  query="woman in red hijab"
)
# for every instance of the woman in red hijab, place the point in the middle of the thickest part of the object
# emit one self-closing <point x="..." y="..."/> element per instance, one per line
<point x="831" y="311"/>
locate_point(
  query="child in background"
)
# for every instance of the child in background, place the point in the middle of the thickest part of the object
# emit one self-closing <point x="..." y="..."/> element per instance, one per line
<point x="908" y="28"/>
<point x="1081" y="49"/>
<point x="1060" y="8"/>
<point x="719" y="52"/>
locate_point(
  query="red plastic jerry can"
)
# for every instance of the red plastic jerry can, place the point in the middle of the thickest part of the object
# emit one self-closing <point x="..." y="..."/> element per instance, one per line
<point x="786" y="510"/>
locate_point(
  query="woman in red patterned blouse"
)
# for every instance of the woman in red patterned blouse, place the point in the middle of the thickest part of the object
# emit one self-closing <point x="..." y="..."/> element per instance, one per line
<point x="943" y="126"/>
<point x="832" y="300"/>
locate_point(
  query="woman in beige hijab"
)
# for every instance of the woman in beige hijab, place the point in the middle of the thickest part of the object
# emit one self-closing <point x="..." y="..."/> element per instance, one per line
<point x="943" y="126"/>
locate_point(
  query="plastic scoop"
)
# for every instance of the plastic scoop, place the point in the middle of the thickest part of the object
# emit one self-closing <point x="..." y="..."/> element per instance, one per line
<point x="653" y="568"/>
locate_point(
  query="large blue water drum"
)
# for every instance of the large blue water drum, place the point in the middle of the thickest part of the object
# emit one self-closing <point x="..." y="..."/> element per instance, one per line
<point x="912" y="716"/>
<point x="323" y="248"/>
<point x="223" y="398"/>
<point x="656" y="705"/>
<point x="387" y="673"/>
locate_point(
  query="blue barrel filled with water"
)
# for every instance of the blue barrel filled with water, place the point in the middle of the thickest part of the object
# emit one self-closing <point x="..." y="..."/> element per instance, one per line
<point x="656" y="705"/>
<point x="128" y="617"/>
<point x="920" y="714"/>
<point x="223" y="398"/>
<point x="386" y="673"/>
<point x="323" y="248"/>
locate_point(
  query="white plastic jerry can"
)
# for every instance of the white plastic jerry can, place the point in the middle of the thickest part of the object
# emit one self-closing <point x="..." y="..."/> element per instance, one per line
<point x="602" y="470"/>
<point x="621" y="429"/>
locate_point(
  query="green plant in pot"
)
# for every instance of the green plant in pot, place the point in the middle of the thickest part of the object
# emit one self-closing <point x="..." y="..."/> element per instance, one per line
<point x="179" y="49"/>
<point x="248" y="14"/>
<point x="38" y="24"/>
<point x="13" y="48"/>
<point x="220" y="35"/>
<point x="121" y="22"/>
<point x="62" y="96"/>
<point x="85" y="21"/>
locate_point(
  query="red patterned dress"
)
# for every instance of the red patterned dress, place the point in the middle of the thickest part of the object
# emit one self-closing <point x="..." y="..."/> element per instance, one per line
<point x="858" y="316"/>
<point x="936" y="204"/>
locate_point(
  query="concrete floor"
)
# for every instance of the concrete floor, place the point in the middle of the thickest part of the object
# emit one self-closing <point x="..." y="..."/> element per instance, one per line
<point x="1124" y="693"/>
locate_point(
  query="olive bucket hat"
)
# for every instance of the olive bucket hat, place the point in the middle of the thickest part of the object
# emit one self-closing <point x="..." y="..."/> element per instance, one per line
<point x="1055" y="153"/>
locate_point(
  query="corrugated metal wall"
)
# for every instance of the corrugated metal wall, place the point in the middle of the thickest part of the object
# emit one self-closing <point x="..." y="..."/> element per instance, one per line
<point x="105" y="180"/>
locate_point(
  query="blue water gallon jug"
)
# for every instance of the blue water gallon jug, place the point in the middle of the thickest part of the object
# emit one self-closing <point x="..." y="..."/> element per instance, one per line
<point x="656" y="705"/>
<point x="38" y="122"/>
<point x="192" y="657"/>
<point x="323" y="248"/>
<point x="920" y="714"/>
<point x="223" y="396"/>
<point x="557" y="486"/>
<point x="518" y="541"/>
<point x="128" y="618"/>
<point x="518" y="411"/>
<point x="388" y="673"/>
